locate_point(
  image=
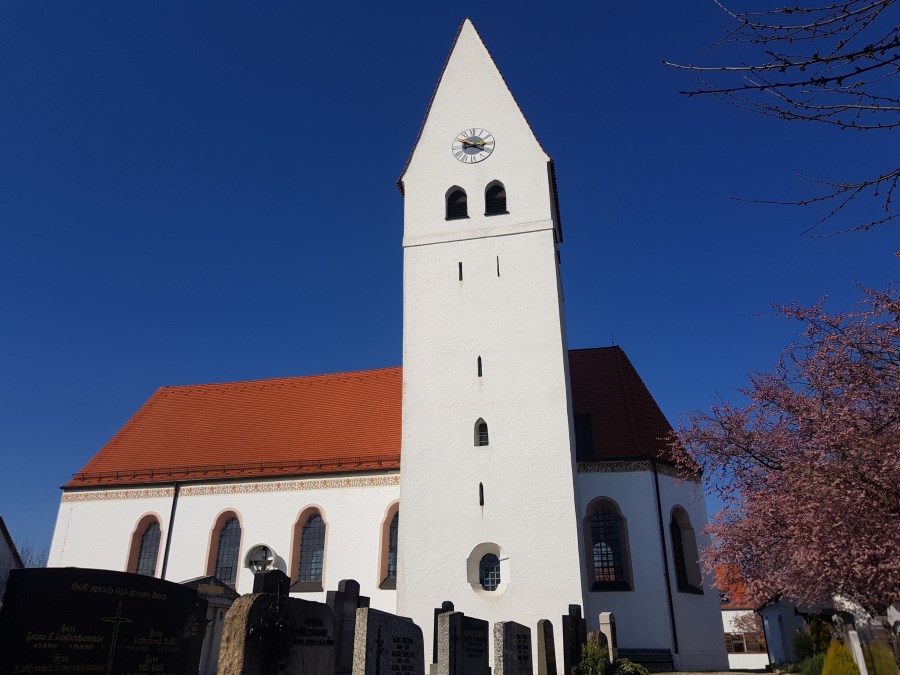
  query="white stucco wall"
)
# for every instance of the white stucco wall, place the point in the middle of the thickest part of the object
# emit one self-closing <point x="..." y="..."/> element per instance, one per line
<point x="513" y="321"/>
<point x="780" y="621"/>
<point x="94" y="528"/>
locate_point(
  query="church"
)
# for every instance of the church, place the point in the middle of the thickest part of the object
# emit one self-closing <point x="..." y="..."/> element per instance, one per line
<point x="496" y="468"/>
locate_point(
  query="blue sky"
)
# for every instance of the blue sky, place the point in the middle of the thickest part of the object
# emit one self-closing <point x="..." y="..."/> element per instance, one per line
<point x="204" y="192"/>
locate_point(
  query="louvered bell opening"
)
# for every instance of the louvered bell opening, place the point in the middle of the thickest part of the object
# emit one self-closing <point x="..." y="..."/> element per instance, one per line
<point x="495" y="201"/>
<point x="456" y="206"/>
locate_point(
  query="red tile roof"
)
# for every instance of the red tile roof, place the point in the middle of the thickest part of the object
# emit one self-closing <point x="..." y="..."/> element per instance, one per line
<point x="730" y="583"/>
<point x="343" y="422"/>
<point x="293" y="425"/>
<point x="626" y="423"/>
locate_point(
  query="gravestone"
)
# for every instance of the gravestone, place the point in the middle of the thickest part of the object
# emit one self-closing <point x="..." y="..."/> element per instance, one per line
<point x="608" y="631"/>
<point x="219" y="597"/>
<point x="462" y="645"/>
<point x="546" y="656"/>
<point x="85" y="620"/>
<point x="271" y="581"/>
<point x="574" y="633"/>
<point x="343" y="603"/>
<point x="386" y="644"/>
<point x="267" y="633"/>
<point x="445" y="607"/>
<point x="512" y="649"/>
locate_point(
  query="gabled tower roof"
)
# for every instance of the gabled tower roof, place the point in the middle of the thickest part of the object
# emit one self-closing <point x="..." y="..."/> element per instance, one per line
<point x="468" y="57"/>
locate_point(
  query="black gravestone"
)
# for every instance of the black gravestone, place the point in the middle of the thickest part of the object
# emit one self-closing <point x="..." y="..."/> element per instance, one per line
<point x="546" y="648"/>
<point x="84" y="620"/>
<point x="574" y="630"/>
<point x="343" y="603"/>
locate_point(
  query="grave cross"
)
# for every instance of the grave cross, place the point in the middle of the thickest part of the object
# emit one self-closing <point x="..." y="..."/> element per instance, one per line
<point x="116" y="620"/>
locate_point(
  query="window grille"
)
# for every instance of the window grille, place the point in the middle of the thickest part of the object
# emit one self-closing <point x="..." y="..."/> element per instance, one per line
<point x="495" y="200"/>
<point x="481" y="433"/>
<point x="392" y="547"/>
<point x="457" y="206"/>
<point x="489" y="572"/>
<point x="149" y="552"/>
<point x="312" y="549"/>
<point x="606" y="546"/>
<point x="227" y="554"/>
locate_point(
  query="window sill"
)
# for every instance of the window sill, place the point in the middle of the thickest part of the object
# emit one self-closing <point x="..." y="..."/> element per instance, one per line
<point x="307" y="587"/>
<point x="389" y="584"/>
<point x="499" y="213"/>
<point x="458" y="218"/>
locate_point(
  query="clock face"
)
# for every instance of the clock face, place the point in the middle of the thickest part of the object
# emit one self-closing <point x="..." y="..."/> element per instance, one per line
<point x="473" y="145"/>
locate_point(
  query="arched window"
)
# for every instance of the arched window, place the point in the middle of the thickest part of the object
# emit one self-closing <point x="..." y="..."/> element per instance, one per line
<point x="481" y="433"/>
<point x="605" y="534"/>
<point x="143" y="555"/>
<point x="457" y="206"/>
<point x="685" y="553"/>
<point x="146" y="563"/>
<point x="495" y="199"/>
<point x="227" y="553"/>
<point x="489" y="572"/>
<point x="387" y="565"/>
<point x="312" y="549"/>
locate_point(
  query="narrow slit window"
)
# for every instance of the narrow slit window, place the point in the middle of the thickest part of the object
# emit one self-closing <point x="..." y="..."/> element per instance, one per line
<point x="498" y="265"/>
<point x="481" y="433"/>
<point x="479" y="366"/>
<point x="481" y="494"/>
<point x="457" y="206"/>
<point x="460" y="271"/>
<point x="495" y="199"/>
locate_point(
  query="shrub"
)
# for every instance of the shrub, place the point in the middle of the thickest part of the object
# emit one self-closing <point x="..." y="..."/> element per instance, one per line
<point x="813" y="665"/>
<point x="802" y="644"/>
<point x="594" y="658"/>
<point x="626" y="667"/>
<point x="838" y="661"/>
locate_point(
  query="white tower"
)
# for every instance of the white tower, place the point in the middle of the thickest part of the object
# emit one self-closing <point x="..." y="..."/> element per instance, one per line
<point x="487" y="454"/>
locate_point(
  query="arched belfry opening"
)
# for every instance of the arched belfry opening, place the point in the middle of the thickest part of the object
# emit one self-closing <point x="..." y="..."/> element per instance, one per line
<point x="457" y="203"/>
<point x="495" y="199"/>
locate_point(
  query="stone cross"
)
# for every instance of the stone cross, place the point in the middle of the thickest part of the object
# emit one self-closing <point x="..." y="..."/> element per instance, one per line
<point x="386" y="644"/>
<point x="574" y="630"/>
<point x="546" y="656"/>
<point x="462" y="645"/>
<point x="343" y="603"/>
<point x="608" y="630"/>
<point x="512" y="649"/>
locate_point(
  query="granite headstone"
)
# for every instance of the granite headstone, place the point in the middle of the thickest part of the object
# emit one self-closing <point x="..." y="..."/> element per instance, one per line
<point x="386" y="644"/>
<point x="574" y="633"/>
<point x="344" y="602"/>
<point x="546" y="646"/>
<point x="512" y="649"/>
<point x="85" y="620"/>
<point x="445" y="607"/>
<point x="462" y="645"/>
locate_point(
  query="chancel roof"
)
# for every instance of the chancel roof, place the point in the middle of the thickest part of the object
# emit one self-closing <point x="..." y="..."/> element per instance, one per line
<point x="338" y="423"/>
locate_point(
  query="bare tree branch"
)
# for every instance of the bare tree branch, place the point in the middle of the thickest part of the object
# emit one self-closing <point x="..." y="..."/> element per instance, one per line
<point x="831" y="64"/>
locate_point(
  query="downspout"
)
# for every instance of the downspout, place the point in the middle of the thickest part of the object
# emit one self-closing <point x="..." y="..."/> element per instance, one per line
<point x="662" y="542"/>
<point x="165" y="565"/>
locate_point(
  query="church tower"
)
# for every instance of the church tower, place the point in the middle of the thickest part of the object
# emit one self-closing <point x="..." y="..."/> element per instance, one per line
<point x="487" y="496"/>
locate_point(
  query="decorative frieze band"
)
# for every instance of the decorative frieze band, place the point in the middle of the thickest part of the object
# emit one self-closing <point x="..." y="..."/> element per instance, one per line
<point x="249" y="487"/>
<point x="633" y="465"/>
